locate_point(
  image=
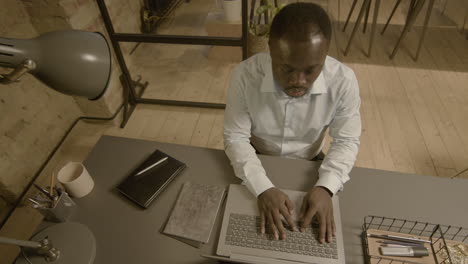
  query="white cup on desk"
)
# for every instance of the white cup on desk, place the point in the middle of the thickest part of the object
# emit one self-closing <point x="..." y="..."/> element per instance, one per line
<point x="76" y="179"/>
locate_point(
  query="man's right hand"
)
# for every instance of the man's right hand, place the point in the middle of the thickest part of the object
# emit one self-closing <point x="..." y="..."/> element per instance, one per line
<point x="273" y="204"/>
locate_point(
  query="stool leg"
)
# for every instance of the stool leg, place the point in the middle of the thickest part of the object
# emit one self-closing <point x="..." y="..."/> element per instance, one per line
<point x="339" y="10"/>
<point x="410" y="23"/>
<point x="367" y="16"/>
<point x="358" y="21"/>
<point x="374" y="26"/>
<point x="445" y="7"/>
<point x="353" y="5"/>
<point x="426" y="23"/>
<point x="464" y="21"/>
<point x="391" y="15"/>
<point x="411" y="9"/>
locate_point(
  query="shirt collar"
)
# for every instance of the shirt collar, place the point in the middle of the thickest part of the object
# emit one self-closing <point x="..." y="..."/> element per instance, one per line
<point x="269" y="85"/>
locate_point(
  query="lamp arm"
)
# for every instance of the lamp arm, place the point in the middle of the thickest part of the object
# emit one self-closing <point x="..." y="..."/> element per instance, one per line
<point x="18" y="72"/>
<point x="43" y="248"/>
<point x="21" y="243"/>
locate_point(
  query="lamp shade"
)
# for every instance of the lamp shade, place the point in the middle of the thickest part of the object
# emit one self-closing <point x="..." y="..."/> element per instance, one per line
<point x="71" y="61"/>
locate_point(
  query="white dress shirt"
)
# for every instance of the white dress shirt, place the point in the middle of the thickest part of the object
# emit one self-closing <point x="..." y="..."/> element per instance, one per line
<point x="259" y="113"/>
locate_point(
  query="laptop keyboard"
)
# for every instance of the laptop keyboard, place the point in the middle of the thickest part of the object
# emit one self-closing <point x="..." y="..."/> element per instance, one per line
<point x="244" y="231"/>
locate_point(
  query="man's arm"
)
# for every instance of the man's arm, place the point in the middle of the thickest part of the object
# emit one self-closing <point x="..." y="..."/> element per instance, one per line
<point x="345" y="129"/>
<point x="272" y="203"/>
<point x="237" y="133"/>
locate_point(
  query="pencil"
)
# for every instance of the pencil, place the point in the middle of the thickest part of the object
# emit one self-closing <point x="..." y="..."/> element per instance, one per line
<point x="52" y="182"/>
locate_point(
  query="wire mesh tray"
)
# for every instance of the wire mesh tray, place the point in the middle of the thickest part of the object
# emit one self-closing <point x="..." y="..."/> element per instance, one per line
<point x="439" y="235"/>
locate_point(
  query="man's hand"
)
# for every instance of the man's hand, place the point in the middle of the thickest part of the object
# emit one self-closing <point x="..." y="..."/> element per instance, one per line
<point x="318" y="202"/>
<point x="273" y="203"/>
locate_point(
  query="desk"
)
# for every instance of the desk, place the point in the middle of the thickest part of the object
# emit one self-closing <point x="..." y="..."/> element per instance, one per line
<point x="127" y="234"/>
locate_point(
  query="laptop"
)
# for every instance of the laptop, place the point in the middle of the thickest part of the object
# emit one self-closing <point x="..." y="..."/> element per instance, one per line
<point x="240" y="240"/>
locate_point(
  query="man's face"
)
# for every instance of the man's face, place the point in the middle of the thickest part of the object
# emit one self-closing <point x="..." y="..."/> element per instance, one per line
<point x="297" y="64"/>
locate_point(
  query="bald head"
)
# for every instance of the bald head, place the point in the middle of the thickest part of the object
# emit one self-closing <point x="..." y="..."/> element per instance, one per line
<point x="300" y="21"/>
<point x="299" y="40"/>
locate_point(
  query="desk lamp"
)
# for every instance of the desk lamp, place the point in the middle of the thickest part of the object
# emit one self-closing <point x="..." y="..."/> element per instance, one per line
<point x="75" y="63"/>
<point x="71" y="62"/>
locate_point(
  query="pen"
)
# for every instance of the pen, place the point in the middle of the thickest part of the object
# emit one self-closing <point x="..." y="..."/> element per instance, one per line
<point x="152" y="166"/>
<point x="386" y="242"/>
<point x="37" y="204"/>
<point x="52" y="182"/>
<point x="401" y="239"/>
<point x="43" y="191"/>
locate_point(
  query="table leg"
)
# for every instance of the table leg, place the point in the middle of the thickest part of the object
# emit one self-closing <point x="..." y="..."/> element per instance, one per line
<point x="374" y="27"/>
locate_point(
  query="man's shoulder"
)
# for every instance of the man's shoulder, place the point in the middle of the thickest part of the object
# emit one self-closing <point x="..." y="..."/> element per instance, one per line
<point x="335" y="70"/>
<point x="253" y="67"/>
<point x="337" y="74"/>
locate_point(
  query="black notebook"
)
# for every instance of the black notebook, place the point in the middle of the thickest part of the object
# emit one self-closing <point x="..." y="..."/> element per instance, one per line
<point x="147" y="181"/>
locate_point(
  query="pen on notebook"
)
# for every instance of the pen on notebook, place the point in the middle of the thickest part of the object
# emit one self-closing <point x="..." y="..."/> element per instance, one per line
<point x="152" y="166"/>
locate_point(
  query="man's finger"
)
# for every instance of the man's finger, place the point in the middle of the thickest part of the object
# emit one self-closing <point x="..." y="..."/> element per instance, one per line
<point x="290" y="206"/>
<point x="288" y="218"/>
<point x="271" y="225"/>
<point x="308" y="218"/>
<point x="329" y="228"/>
<point x="279" y="224"/>
<point x="323" y="228"/>
<point x="303" y="210"/>
<point x="334" y="226"/>
<point x="262" y="222"/>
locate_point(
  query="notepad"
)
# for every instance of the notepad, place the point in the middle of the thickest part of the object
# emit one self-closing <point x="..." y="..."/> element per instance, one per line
<point x="150" y="178"/>
<point x="194" y="213"/>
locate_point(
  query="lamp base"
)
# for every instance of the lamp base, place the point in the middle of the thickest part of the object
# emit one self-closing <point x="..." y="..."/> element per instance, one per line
<point x="75" y="242"/>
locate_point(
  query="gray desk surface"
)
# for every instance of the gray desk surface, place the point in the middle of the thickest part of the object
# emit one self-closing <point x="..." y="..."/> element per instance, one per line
<point x="127" y="234"/>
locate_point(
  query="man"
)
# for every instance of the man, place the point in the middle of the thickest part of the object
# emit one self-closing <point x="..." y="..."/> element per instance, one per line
<point x="281" y="104"/>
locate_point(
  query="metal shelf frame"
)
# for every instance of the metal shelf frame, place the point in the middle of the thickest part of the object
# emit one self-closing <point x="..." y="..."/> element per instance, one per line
<point x="132" y="97"/>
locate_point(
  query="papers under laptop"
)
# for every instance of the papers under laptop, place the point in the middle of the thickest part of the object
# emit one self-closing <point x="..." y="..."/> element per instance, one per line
<point x="240" y="240"/>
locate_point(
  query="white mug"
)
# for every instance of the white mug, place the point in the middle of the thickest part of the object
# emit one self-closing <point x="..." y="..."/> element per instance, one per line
<point x="76" y="179"/>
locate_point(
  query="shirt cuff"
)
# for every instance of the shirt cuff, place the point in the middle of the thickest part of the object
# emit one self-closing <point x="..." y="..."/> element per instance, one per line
<point x="330" y="182"/>
<point x="258" y="185"/>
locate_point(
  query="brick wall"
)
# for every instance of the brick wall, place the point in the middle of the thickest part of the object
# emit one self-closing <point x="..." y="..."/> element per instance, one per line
<point x="32" y="116"/>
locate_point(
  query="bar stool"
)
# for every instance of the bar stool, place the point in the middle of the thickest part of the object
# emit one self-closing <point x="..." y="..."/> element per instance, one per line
<point x="414" y="10"/>
<point x="365" y="8"/>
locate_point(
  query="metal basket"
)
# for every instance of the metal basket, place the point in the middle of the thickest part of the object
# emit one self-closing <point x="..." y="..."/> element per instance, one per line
<point x="437" y="234"/>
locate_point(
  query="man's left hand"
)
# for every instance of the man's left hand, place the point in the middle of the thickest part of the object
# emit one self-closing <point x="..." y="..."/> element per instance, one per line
<point x="318" y="202"/>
